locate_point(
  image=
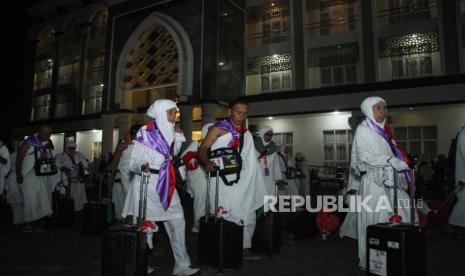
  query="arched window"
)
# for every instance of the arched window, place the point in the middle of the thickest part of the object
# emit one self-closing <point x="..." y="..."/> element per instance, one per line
<point x="152" y="66"/>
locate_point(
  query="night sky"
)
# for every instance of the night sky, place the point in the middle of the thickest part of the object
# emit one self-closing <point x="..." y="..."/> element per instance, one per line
<point x="14" y="23"/>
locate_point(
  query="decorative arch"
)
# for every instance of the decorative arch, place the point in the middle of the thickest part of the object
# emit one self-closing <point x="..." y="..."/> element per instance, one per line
<point x="155" y="24"/>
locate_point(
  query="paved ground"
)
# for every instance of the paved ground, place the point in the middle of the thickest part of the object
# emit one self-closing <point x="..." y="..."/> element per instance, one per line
<point x="63" y="251"/>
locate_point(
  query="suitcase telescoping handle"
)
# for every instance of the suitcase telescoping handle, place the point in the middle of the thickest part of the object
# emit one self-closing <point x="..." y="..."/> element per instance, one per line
<point x="143" y="198"/>
<point x="412" y="198"/>
<point x="395" y="193"/>
<point x="207" y="198"/>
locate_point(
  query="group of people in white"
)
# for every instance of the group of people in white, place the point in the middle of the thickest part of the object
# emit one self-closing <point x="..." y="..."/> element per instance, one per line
<point x="151" y="148"/>
<point x="34" y="172"/>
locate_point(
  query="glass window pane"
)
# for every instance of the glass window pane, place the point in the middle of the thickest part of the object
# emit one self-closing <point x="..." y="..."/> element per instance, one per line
<point x="275" y="81"/>
<point x="415" y="148"/>
<point x="326" y="76"/>
<point x="397" y="68"/>
<point x="329" y="152"/>
<point x="429" y="132"/>
<point x="286" y="81"/>
<point x="338" y="75"/>
<point x="426" y="66"/>
<point x="430" y="150"/>
<point x="265" y="82"/>
<point x="414" y="133"/>
<point x="400" y="133"/>
<point x="328" y="136"/>
<point x="341" y="152"/>
<point x="351" y="73"/>
<point x="411" y="66"/>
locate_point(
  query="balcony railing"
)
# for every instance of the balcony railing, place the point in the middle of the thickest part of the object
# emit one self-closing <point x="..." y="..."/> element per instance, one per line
<point x="407" y="13"/>
<point x="258" y="39"/>
<point x="68" y="78"/>
<point x="327" y="27"/>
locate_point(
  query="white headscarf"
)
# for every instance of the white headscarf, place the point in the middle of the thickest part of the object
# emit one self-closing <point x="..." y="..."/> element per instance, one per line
<point x="158" y="111"/>
<point x="367" y="109"/>
<point x="205" y="130"/>
<point x="261" y="133"/>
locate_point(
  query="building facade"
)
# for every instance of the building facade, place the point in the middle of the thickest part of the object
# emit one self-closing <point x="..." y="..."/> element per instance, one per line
<point x="305" y="67"/>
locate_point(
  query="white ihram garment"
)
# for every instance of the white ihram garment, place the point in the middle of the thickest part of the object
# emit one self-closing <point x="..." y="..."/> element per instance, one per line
<point x="173" y="217"/>
<point x="36" y="192"/>
<point x="242" y="199"/>
<point x="376" y="181"/>
<point x="76" y="187"/>
<point x="457" y="217"/>
<point x="197" y="185"/>
<point x="14" y="193"/>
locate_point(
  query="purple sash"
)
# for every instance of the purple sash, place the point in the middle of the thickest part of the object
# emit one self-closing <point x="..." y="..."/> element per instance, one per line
<point x="155" y="140"/>
<point x="227" y="125"/>
<point x="394" y="148"/>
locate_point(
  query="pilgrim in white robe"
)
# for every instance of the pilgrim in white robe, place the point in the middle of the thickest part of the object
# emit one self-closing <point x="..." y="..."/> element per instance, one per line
<point x="173" y="217"/>
<point x="457" y="217"/>
<point x="4" y="168"/>
<point x="36" y="190"/>
<point x="196" y="181"/>
<point x="241" y="199"/>
<point x="14" y="193"/>
<point x="377" y="181"/>
<point x="286" y="161"/>
<point x="76" y="187"/>
<point x="122" y="182"/>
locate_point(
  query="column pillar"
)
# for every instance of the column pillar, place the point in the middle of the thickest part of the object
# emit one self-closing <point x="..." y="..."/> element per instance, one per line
<point x="186" y="121"/>
<point x="108" y="123"/>
<point x="124" y="123"/>
<point x="208" y="113"/>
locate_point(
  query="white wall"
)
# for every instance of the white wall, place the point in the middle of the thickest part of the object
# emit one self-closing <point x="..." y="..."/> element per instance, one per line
<point x="307" y="131"/>
<point x="84" y="140"/>
<point x="448" y="120"/>
<point x="58" y="142"/>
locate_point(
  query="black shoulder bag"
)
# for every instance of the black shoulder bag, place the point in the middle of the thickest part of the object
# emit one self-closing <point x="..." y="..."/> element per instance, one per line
<point x="228" y="161"/>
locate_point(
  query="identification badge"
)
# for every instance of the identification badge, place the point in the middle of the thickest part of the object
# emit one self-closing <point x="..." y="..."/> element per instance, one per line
<point x="45" y="168"/>
<point x="267" y="171"/>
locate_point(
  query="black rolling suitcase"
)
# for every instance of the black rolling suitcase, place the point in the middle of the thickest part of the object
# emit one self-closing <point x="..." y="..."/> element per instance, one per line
<point x="97" y="216"/>
<point x="267" y="235"/>
<point x="220" y="241"/>
<point x="125" y="251"/>
<point x="63" y="207"/>
<point x="396" y="249"/>
<point x="304" y="226"/>
<point x="6" y="213"/>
